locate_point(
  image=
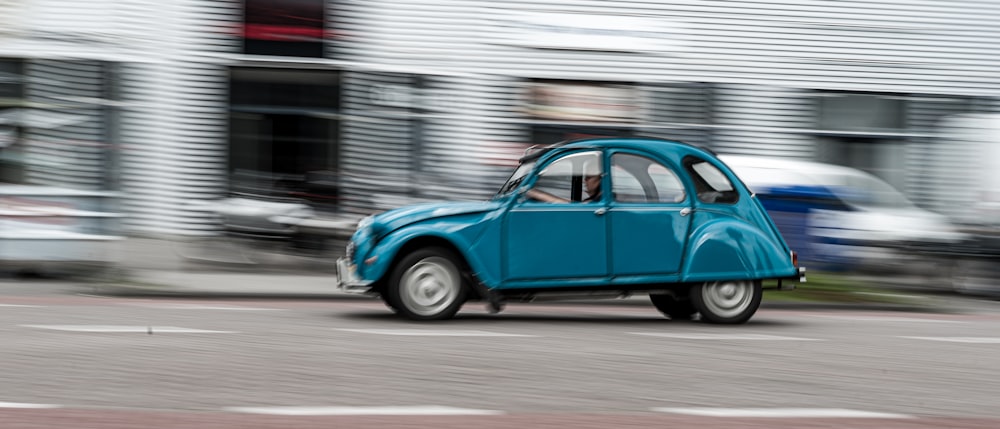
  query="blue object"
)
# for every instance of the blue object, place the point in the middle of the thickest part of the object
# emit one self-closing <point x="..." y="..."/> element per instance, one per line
<point x="690" y="227"/>
<point x="791" y="208"/>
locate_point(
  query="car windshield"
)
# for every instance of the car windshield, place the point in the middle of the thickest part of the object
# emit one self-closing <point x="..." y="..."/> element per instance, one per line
<point x="516" y="178"/>
<point x="853" y="187"/>
<point x="864" y="190"/>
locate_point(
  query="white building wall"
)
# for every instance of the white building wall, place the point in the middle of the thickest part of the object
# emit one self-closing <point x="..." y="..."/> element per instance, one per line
<point x="167" y="60"/>
<point x="937" y="167"/>
<point x="471" y="137"/>
<point x="420" y="117"/>
<point x="766" y="58"/>
<point x="763" y="56"/>
<point x="377" y="157"/>
<point x="900" y="45"/>
<point x="174" y="128"/>
<point x="764" y="120"/>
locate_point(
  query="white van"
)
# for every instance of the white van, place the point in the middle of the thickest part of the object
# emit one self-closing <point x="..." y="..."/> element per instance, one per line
<point x="841" y="218"/>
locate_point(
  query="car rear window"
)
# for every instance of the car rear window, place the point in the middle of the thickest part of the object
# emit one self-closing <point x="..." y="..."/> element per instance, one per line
<point x="711" y="184"/>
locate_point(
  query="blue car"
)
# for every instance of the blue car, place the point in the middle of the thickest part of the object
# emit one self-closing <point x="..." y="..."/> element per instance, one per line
<point x="594" y="217"/>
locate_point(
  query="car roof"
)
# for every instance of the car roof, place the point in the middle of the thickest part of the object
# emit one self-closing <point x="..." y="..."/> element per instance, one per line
<point x="537" y="151"/>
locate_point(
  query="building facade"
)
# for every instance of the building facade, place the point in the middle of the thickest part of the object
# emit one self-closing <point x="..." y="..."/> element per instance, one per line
<point x="363" y="105"/>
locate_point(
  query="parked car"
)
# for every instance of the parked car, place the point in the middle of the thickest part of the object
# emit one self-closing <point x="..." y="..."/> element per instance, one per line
<point x="672" y="222"/>
<point x="843" y="219"/>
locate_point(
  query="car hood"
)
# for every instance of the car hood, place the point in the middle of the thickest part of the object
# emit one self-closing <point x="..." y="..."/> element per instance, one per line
<point x="400" y="217"/>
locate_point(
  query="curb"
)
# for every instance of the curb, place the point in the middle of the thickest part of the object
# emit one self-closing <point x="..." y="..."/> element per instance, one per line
<point x="142" y="289"/>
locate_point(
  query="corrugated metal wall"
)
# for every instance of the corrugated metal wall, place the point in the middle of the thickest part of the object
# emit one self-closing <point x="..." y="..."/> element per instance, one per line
<point x="469" y="133"/>
<point x="763" y="61"/>
<point x="431" y="85"/>
<point x="680" y="111"/>
<point x="763" y="120"/>
<point x="900" y="45"/>
<point x="174" y="129"/>
<point x="377" y="154"/>
<point x="936" y="166"/>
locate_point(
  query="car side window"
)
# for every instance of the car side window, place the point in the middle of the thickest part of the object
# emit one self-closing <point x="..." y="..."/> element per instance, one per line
<point x="562" y="180"/>
<point x="711" y="184"/>
<point x="638" y="179"/>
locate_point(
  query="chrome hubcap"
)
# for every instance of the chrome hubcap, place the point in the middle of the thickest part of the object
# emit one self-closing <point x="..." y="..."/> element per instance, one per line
<point x="728" y="299"/>
<point x="429" y="286"/>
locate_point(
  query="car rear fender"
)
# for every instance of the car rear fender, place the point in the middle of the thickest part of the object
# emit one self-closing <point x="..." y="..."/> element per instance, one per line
<point x="729" y="249"/>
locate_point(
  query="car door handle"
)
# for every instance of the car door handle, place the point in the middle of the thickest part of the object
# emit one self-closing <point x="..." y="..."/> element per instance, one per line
<point x="601" y="211"/>
<point x="685" y="211"/>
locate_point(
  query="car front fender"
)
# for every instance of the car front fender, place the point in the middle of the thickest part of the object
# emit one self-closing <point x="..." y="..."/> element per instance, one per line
<point x="379" y="260"/>
<point x="728" y="249"/>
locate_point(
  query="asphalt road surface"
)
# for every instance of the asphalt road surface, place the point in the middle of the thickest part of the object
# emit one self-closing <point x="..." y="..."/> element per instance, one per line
<point x="72" y="360"/>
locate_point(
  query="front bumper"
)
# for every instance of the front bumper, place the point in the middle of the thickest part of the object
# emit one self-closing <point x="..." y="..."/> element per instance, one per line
<point x="348" y="280"/>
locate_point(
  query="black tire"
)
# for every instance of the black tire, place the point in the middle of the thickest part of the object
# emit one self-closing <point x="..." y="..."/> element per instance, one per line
<point x="388" y="304"/>
<point x="727" y="302"/>
<point x="673" y="307"/>
<point x="427" y="284"/>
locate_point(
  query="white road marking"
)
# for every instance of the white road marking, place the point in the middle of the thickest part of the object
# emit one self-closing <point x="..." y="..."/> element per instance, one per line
<point x="18" y="305"/>
<point x="782" y="413"/>
<point x="128" y="329"/>
<point x="975" y="340"/>
<point x="427" y="410"/>
<point x="23" y="405"/>
<point x="434" y="333"/>
<point x="749" y="337"/>
<point x="890" y="319"/>
<point x="893" y="295"/>
<point x="166" y="306"/>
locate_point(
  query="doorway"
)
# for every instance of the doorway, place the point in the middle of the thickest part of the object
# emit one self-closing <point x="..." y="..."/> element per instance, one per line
<point x="284" y="134"/>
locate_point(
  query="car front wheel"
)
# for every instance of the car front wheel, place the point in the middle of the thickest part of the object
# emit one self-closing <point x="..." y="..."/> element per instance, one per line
<point x="426" y="285"/>
<point x="728" y="302"/>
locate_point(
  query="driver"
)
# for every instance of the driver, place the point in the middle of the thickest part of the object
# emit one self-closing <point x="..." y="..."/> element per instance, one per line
<point x="592" y="182"/>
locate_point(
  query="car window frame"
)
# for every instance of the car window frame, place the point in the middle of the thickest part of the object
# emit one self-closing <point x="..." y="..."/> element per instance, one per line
<point x="577" y="185"/>
<point x="677" y="173"/>
<point x="703" y="189"/>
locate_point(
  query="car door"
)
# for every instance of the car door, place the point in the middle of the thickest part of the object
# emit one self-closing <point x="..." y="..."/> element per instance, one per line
<point x="551" y="235"/>
<point x="648" y="219"/>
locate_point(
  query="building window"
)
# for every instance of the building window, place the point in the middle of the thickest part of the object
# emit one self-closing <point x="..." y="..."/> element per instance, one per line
<point x="565" y="110"/>
<point x="11" y="102"/>
<point x="864" y="131"/>
<point x="861" y="113"/>
<point x="284" y="134"/>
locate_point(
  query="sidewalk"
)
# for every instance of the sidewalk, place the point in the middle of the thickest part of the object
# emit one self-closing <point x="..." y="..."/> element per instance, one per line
<point x="156" y="267"/>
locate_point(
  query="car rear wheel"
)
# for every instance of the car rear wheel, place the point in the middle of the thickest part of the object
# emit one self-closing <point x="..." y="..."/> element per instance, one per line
<point x="673" y="307"/>
<point x="730" y="302"/>
<point x="427" y="285"/>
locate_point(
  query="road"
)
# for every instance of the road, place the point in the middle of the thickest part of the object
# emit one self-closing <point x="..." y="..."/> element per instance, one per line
<point x="77" y="360"/>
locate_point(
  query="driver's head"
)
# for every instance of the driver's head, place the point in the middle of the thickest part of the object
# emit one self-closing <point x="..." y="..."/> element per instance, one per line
<point x="592" y="177"/>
